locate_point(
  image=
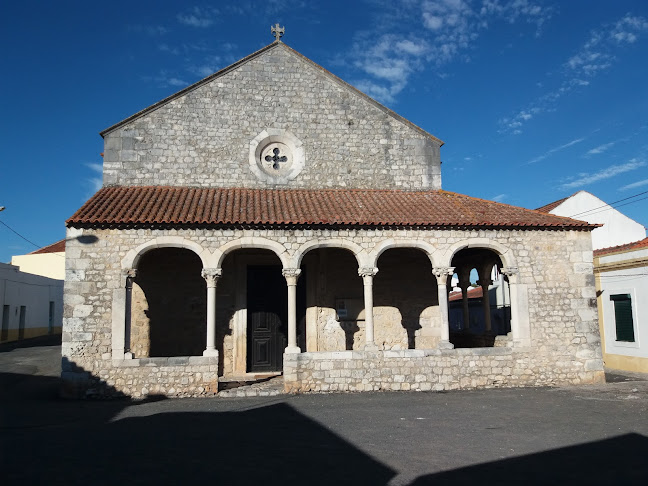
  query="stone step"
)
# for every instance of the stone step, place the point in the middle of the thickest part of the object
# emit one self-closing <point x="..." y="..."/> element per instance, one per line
<point x="266" y="388"/>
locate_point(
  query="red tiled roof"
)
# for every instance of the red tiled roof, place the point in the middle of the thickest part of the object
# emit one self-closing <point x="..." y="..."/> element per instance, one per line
<point x="185" y="205"/>
<point x="553" y="205"/>
<point x="473" y="293"/>
<point x="635" y="245"/>
<point x="57" y="247"/>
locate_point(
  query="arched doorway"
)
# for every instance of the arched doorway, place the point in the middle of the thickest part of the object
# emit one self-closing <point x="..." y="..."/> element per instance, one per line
<point x="405" y="300"/>
<point x="168" y="305"/>
<point x="479" y="303"/>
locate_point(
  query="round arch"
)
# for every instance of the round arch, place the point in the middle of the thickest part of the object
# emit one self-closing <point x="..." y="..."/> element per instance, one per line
<point x="132" y="257"/>
<point x="422" y="245"/>
<point x="505" y="254"/>
<point x="354" y="248"/>
<point x="250" y="242"/>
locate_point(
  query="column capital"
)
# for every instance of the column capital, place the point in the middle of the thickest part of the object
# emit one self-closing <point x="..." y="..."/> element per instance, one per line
<point x="291" y="275"/>
<point x="442" y="273"/>
<point x="367" y="271"/>
<point x="211" y="275"/>
<point x="485" y="282"/>
<point x="509" y="271"/>
<point x="129" y="272"/>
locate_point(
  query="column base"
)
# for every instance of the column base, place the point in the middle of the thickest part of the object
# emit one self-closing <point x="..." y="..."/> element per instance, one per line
<point x="292" y="350"/>
<point x="210" y="352"/>
<point x="370" y="347"/>
<point x="129" y="355"/>
<point x="445" y="345"/>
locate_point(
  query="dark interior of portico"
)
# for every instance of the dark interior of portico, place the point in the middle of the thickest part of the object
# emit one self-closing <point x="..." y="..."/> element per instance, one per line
<point x="481" y="311"/>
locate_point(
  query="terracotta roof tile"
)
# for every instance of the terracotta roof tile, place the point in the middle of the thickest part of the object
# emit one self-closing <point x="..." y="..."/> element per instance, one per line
<point x="197" y="206"/>
<point x="635" y="245"/>
<point x="552" y="205"/>
<point x="473" y="293"/>
<point x="57" y="247"/>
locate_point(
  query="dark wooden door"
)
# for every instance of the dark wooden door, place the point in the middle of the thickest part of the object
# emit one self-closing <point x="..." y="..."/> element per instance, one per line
<point x="267" y="310"/>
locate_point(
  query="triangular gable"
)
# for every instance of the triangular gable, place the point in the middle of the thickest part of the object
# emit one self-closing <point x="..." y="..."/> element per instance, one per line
<point x="255" y="55"/>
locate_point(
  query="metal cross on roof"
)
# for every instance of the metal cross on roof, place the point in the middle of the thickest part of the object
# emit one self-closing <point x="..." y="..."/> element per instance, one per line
<point x="277" y="31"/>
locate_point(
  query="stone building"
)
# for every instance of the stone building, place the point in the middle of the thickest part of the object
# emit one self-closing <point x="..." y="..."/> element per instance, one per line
<point x="272" y="219"/>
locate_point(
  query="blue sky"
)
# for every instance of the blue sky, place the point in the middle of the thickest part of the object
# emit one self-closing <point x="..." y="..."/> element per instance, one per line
<point x="535" y="99"/>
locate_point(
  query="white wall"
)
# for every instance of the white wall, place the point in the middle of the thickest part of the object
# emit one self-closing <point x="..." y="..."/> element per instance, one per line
<point x="633" y="281"/>
<point x="35" y="293"/>
<point x="50" y="265"/>
<point x="617" y="228"/>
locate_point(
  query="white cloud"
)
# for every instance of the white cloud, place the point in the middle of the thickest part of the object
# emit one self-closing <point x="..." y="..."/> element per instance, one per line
<point x="554" y="150"/>
<point x="95" y="182"/>
<point x="596" y="55"/>
<point x="197" y="17"/>
<point x="600" y="149"/>
<point x="176" y="82"/>
<point x="164" y="80"/>
<point x="584" y="179"/>
<point x="634" y="185"/>
<point x="440" y="31"/>
<point x="499" y="197"/>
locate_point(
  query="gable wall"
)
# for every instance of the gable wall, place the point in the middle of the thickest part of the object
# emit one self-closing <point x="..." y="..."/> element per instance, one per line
<point x="617" y="228"/>
<point x="202" y="139"/>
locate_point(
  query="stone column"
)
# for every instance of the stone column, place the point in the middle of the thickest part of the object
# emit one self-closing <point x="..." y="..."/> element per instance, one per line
<point x="130" y="274"/>
<point x="367" y="274"/>
<point x="442" y="274"/>
<point x="211" y="276"/>
<point x="292" y="275"/>
<point x="464" y="285"/>
<point x="511" y="274"/>
<point x="485" y="282"/>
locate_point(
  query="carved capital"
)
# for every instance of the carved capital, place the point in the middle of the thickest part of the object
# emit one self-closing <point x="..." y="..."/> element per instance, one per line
<point x="129" y="272"/>
<point x="291" y="275"/>
<point x="443" y="272"/>
<point x="367" y="271"/>
<point x="485" y="282"/>
<point x="211" y="275"/>
<point x="509" y="271"/>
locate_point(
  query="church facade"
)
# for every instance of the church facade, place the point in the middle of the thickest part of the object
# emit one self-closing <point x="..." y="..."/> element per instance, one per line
<point x="273" y="220"/>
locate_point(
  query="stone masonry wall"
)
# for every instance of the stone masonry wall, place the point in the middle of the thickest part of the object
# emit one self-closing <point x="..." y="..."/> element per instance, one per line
<point x="202" y="138"/>
<point x="430" y="370"/>
<point x="555" y="272"/>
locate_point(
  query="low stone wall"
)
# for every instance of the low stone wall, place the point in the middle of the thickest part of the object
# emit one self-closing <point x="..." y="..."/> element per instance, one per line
<point x="435" y="370"/>
<point x="182" y="376"/>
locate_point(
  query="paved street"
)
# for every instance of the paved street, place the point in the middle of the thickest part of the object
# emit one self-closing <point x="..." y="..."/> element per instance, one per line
<point x="581" y="435"/>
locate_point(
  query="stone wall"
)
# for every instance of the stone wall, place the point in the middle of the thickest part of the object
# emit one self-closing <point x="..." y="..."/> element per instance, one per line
<point x="203" y="137"/>
<point x="555" y="283"/>
<point x="138" y="378"/>
<point x="431" y="370"/>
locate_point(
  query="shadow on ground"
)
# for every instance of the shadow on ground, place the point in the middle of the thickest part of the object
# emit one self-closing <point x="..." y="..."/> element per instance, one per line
<point x="620" y="460"/>
<point x="45" y="440"/>
<point x="65" y="442"/>
<point x="51" y="340"/>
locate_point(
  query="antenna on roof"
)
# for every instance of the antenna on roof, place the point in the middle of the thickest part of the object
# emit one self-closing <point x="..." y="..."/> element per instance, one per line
<point x="277" y="31"/>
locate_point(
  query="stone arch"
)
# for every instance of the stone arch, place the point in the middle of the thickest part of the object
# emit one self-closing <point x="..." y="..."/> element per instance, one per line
<point x="132" y="257"/>
<point x="354" y="248"/>
<point x="429" y="249"/>
<point x="505" y="254"/>
<point x="251" y="242"/>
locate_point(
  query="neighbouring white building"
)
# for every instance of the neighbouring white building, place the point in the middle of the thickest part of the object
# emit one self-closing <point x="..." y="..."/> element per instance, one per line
<point x="32" y="305"/>
<point x="48" y="261"/>
<point x="621" y="271"/>
<point x="616" y="229"/>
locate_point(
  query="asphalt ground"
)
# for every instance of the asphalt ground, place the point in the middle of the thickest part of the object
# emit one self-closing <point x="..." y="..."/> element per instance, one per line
<point x="532" y="436"/>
